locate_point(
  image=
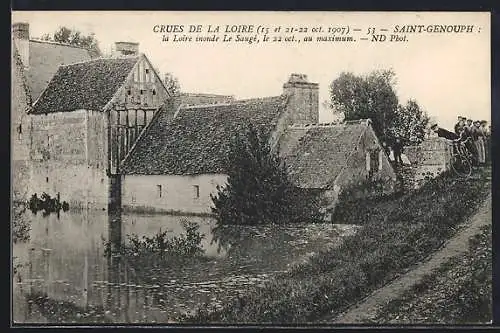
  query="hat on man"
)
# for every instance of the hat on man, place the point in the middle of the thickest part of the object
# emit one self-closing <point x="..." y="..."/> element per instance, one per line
<point x="483" y="122"/>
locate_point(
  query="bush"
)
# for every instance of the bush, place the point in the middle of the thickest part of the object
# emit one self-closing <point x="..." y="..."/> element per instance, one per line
<point x="160" y="249"/>
<point x="46" y="204"/>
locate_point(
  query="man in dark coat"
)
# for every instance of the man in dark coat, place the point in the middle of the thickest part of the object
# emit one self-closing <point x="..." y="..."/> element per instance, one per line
<point x="397" y="148"/>
<point x="443" y="133"/>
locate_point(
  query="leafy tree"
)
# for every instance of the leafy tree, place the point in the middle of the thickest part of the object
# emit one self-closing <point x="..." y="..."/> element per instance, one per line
<point x="172" y="84"/>
<point x="370" y="96"/>
<point x="76" y="38"/>
<point x="258" y="190"/>
<point x="410" y="123"/>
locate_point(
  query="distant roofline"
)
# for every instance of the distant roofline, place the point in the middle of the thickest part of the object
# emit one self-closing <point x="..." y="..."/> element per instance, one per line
<point x="99" y="59"/>
<point x="57" y="43"/>
<point x="203" y="106"/>
<point x="332" y="124"/>
<point x="234" y="102"/>
<point x="205" y="95"/>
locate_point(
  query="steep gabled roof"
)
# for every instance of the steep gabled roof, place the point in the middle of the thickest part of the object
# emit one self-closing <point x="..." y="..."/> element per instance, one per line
<point x="316" y="154"/>
<point x="87" y="85"/>
<point x="44" y="60"/>
<point x="197" y="140"/>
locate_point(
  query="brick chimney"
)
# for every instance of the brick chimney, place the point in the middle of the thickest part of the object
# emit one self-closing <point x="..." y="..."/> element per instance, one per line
<point x="303" y="100"/>
<point x="126" y="48"/>
<point x="21" y="36"/>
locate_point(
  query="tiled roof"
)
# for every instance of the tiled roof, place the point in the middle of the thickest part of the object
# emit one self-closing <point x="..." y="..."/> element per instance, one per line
<point x="197" y="140"/>
<point x="45" y="59"/>
<point x="88" y="85"/>
<point x="316" y="155"/>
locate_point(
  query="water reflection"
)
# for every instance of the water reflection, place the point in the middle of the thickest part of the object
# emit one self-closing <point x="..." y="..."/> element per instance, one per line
<point x="63" y="276"/>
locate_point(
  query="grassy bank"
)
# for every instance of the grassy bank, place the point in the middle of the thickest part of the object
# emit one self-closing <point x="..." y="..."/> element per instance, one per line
<point x="403" y="231"/>
<point x="459" y="292"/>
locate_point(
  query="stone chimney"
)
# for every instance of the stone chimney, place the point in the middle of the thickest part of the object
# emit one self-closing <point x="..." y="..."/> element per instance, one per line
<point x="126" y="48"/>
<point x="303" y="100"/>
<point x="21" y="36"/>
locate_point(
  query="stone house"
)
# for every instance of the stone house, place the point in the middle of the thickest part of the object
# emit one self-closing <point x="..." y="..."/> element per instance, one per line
<point x="177" y="164"/>
<point x="85" y="122"/>
<point x="33" y="64"/>
<point x="334" y="156"/>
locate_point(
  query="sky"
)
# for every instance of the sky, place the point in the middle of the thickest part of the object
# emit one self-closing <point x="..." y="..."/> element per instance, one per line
<point x="448" y="74"/>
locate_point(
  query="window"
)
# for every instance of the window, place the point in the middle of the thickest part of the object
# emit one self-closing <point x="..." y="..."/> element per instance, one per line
<point x="129" y="91"/>
<point x="196" y="189"/>
<point x="154" y="92"/>
<point x="19" y="132"/>
<point x="147" y="70"/>
<point x="142" y="91"/>
<point x="368" y="161"/>
<point x="158" y="191"/>
<point x="46" y="179"/>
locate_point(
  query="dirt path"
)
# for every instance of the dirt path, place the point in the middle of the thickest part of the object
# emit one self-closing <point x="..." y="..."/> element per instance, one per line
<point x="367" y="308"/>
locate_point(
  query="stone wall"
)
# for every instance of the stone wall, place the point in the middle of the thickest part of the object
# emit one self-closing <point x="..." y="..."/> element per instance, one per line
<point x="429" y="159"/>
<point x="61" y="161"/>
<point x="19" y="131"/>
<point x="170" y="193"/>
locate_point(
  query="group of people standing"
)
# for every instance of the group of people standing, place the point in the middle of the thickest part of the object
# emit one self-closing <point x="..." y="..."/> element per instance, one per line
<point x="475" y="134"/>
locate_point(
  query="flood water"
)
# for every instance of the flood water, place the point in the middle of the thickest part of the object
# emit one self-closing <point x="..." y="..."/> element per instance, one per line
<point x="63" y="276"/>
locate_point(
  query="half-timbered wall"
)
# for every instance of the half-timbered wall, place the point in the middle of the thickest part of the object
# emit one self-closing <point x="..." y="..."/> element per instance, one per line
<point x="132" y="109"/>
